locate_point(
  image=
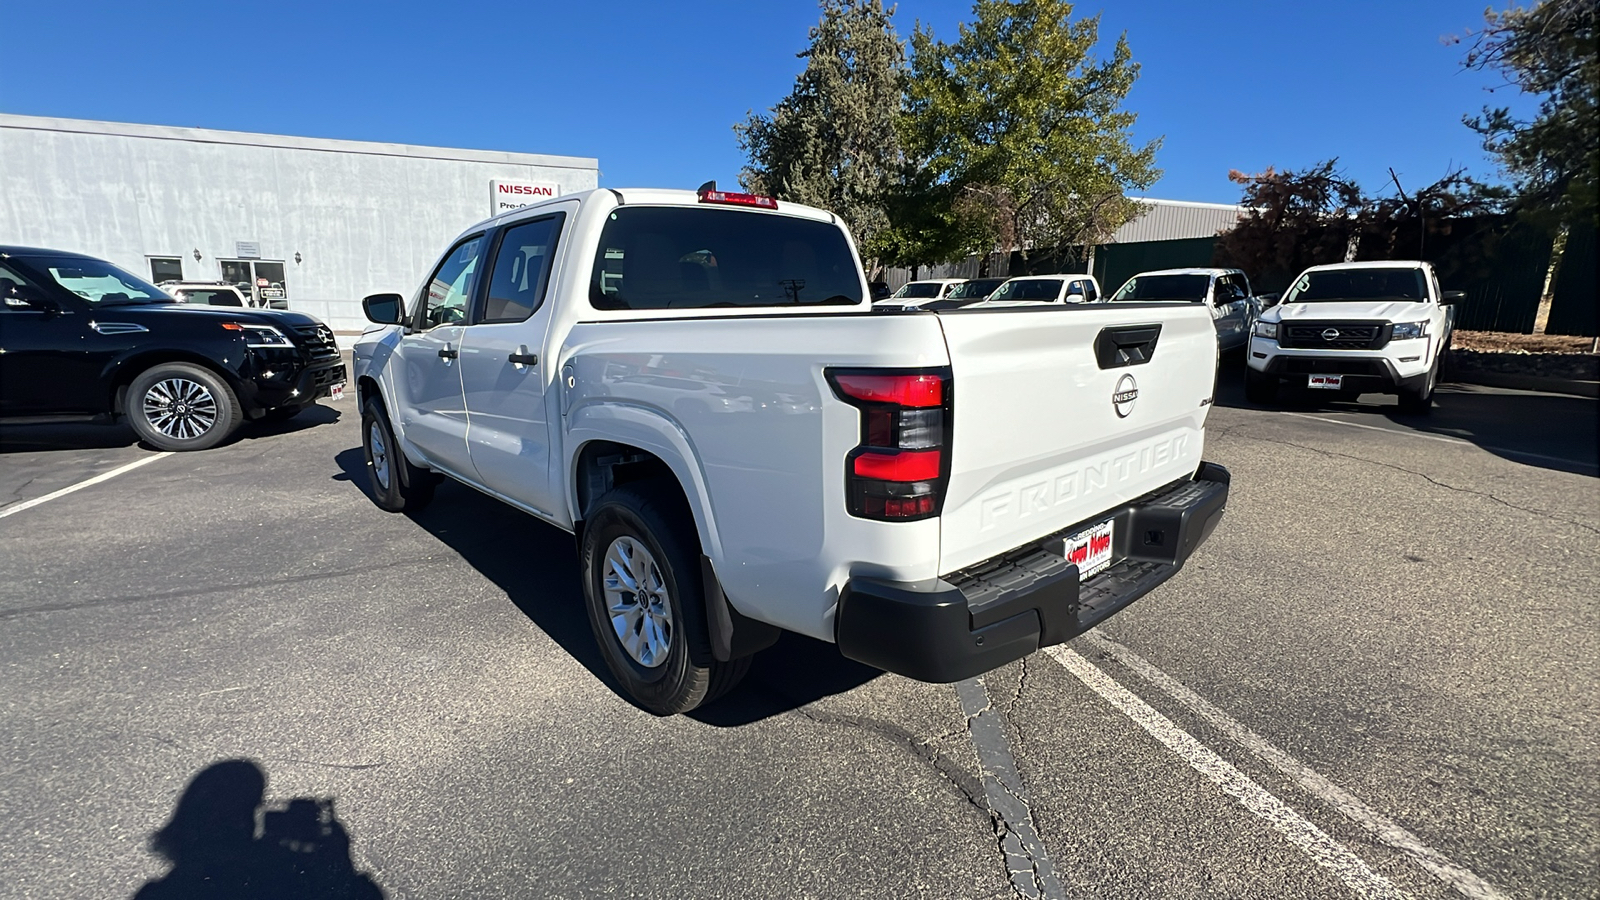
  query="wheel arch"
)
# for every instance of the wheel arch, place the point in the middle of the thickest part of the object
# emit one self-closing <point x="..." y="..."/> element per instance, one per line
<point x="599" y="463"/>
<point x="122" y="373"/>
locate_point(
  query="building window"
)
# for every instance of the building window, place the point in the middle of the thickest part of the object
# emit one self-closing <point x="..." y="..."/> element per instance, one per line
<point x="166" y="268"/>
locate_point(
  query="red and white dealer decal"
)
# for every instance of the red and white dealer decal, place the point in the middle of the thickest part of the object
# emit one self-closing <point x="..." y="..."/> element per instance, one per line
<point x="1090" y="550"/>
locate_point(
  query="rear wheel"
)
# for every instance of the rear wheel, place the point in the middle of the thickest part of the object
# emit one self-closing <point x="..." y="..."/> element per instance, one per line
<point x="644" y="593"/>
<point x="1259" y="387"/>
<point x="397" y="485"/>
<point x="181" y="406"/>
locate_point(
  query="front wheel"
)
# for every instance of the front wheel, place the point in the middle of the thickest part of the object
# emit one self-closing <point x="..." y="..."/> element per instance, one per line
<point x="181" y="406"/>
<point x="1419" y="402"/>
<point x="397" y="485"/>
<point x="644" y="593"/>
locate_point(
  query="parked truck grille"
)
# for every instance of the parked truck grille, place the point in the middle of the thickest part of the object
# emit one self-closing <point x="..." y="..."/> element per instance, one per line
<point x="1334" y="336"/>
<point x="318" y="341"/>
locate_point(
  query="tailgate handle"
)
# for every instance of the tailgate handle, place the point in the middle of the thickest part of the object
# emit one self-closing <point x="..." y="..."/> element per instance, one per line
<point x="1126" y="345"/>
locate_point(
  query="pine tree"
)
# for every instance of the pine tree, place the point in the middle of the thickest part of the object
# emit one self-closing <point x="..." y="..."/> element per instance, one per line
<point x="1025" y="128"/>
<point x="832" y="142"/>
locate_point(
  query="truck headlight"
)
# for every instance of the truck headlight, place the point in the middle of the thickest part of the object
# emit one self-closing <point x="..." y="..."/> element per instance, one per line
<point x="259" y="335"/>
<point x="1267" y="330"/>
<point x="1404" y="331"/>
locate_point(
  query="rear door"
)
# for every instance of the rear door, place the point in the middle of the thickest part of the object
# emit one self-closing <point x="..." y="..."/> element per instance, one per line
<point x="505" y="367"/>
<point x="1062" y="413"/>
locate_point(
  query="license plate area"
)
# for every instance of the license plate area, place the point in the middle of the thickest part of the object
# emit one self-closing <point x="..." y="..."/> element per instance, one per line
<point x="1090" y="549"/>
<point x="1325" y="382"/>
<point x="336" y="391"/>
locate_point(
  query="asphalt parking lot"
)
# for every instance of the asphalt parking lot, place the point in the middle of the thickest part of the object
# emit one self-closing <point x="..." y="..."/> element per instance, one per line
<point x="1378" y="679"/>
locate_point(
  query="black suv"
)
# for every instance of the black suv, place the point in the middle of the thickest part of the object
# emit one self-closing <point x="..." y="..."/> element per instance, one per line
<point x="82" y="339"/>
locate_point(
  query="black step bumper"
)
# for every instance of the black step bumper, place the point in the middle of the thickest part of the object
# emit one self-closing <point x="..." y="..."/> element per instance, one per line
<point x="1004" y="608"/>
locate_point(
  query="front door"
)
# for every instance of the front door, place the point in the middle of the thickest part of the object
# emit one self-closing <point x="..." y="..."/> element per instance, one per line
<point x="54" y="345"/>
<point x="427" y="382"/>
<point x="506" y="373"/>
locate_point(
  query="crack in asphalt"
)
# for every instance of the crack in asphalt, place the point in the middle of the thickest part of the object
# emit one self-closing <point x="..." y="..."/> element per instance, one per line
<point x="214" y="589"/>
<point x="1540" y="513"/>
<point x="924" y="750"/>
<point x="1027" y="863"/>
<point x="17" y="493"/>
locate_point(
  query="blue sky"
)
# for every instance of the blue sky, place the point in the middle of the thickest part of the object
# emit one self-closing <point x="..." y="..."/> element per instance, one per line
<point x="652" y="89"/>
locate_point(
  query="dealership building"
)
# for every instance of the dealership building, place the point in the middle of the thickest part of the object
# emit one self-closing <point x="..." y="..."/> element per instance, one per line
<point x="320" y="223"/>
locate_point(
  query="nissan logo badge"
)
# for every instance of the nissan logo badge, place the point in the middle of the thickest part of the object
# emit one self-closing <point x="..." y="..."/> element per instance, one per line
<point x="1123" y="397"/>
<point x="1330" y="334"/>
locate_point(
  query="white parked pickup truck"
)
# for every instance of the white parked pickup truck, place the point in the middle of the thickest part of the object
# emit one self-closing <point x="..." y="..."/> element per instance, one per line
<point x="1226" y="292"/>
<point x="694" y="384"/>
<point x="1025" y="290"/>
<point x="1354" y="328"/>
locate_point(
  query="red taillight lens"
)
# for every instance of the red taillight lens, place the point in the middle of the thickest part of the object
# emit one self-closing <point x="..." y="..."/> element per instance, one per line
<point x="900" y="469"/>
<point x="920" y="466"/>
<point x="736" y="199"/>
<point x="915" y="391"/>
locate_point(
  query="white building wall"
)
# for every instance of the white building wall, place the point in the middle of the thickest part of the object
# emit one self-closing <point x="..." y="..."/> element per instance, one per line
<point x="364" y="217"/>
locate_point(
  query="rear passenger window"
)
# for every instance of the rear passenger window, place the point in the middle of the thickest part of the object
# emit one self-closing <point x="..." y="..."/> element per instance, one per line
<point x="521" y="270"/>
<point x="654" y="257"/>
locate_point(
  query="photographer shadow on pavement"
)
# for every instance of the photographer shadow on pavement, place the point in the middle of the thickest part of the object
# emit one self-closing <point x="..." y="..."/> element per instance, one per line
<point x="300" y="850"/>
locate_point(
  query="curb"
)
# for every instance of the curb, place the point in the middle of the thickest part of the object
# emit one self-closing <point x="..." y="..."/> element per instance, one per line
<point x="1539" y="383"/>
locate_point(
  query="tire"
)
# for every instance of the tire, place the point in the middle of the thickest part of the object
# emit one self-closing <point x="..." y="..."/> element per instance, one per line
<point x="282" y="413"/>
<point x="660" y="652"/>
<point x="1260" y="387"/>
<point x="1420" y="402"/>
<point x="181" y="406"/>
<point x="397" y="485"/>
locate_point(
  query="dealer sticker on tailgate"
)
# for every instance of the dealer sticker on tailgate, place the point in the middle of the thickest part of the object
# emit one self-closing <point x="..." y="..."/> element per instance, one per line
<point x="1090" y="550"/>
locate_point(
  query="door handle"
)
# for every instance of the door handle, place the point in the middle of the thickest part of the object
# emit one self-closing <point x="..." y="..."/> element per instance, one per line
<point x="523" y="358"/>
<point x="447" y="353"/>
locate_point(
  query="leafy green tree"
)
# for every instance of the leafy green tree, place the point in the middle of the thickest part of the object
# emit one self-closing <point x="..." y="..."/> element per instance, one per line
<point x="1549" y="51"/>
<point x="1022" y="129"/>
<point x="833" y="142"/>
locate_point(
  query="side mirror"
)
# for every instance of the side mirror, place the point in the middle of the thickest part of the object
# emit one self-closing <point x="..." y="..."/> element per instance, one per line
<point x="1074" y="297"/>
<point x="384" y="309"/>
<point x="1453" y="297"/>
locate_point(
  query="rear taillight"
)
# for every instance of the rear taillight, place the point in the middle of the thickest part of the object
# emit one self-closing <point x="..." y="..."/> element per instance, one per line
<point x="899" y="471"/>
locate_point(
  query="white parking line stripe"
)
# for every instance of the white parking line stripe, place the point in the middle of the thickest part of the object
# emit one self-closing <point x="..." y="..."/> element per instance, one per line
<point x="1386" y="830"/>
<point x="1416" y="434"/>
<point x="1326" y="851"/>
<point x="104" y="476"/>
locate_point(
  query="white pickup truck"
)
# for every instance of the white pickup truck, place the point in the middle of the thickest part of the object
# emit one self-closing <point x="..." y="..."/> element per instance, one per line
<point x="694" y="384"/>
<point x="1354" y="328"/>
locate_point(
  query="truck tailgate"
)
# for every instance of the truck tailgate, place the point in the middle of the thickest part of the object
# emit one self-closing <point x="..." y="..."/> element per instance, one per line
<point x="1047" y="432"/>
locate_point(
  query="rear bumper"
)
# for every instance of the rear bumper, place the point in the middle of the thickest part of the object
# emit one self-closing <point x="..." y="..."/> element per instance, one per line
<point x="1005" y="608"/>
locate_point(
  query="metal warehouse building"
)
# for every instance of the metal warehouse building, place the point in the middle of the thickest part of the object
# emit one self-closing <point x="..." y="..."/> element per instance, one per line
<point x="319" y="222"/>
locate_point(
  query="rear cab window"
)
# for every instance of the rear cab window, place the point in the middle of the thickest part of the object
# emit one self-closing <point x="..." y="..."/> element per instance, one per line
<point x="665" y="257"/>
